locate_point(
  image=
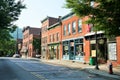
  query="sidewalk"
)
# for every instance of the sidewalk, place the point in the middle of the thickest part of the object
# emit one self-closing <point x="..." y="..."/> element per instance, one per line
<point x="103" y="70"/>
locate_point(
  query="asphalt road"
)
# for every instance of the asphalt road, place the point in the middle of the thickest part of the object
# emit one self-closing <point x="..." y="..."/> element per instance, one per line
<point x="10" y="71"/>
<point x="26" y="69"/>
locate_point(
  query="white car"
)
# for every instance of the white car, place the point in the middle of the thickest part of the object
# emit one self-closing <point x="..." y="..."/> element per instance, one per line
<point x="16" y="55"/>
<point x="38" y="55"/>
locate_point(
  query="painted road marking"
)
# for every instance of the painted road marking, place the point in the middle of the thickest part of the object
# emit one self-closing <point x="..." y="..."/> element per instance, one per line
<point x="39" y="76"/>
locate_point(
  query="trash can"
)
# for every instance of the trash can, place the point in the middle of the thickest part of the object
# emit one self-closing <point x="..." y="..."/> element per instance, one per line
<point x="92" y="61"/>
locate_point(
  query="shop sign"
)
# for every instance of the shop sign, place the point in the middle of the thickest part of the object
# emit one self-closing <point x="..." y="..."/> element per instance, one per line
<point x="93" y="53"/>
<point x="93" y="41"/>
<point x="66" y="47"/>
<point x="112" y="51"/>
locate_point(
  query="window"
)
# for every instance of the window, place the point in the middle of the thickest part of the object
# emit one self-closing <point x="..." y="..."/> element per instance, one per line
<point x="74" y="27"/>
<point x="53" y="38"/>
<point x="92" y="3"/>
<point x="57" y="36"/>
<point x="45" y="39"/>
<point x="50" y="38"/>
<point x="79" y="25"/>
<point x="69" y="29"/>
<point x="64" y="30"/>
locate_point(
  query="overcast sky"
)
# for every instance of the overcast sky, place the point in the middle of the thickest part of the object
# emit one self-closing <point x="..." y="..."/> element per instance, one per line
<point x="37" y="10"/>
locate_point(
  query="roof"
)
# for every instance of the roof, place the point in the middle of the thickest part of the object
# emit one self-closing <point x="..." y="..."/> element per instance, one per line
<point x="68" y="15"/>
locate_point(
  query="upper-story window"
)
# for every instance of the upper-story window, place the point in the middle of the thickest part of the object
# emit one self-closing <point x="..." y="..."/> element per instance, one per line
<point x="74" y="27"/>
<point x="92" y="3"/>
<point x="64" y="31"/>
<point x="79" y="25"/>
<point x="69" y="29"/>
<point x="57" y="36"/>
<point x="45" y="39"/>
<point x="50" y="38"/>
<point x="53" y="37"/>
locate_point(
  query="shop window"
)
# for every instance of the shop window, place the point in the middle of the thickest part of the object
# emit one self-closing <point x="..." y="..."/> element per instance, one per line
<point x="79" y="50"/>
<point x="65" y="50"/>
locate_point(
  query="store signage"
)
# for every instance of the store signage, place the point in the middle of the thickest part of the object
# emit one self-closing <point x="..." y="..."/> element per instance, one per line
<point x="66" y="47"/>
<point x="112" y="51"/>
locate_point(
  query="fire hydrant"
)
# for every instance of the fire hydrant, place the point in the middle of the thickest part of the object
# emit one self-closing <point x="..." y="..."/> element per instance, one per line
<point x="110" y="66"/>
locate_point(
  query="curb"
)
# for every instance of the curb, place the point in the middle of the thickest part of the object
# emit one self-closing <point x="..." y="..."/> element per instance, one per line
<point x="90" y="70"/>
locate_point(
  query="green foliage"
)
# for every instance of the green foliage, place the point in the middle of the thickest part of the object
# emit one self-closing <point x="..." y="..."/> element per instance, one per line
<point x="7" y="47"/>
<point x="36" y="44"/>
<point x="106" y="14"/>
<point x="9" y="13"/>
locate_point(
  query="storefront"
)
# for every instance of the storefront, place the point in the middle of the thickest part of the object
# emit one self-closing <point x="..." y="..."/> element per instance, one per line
<point x="73" y="50"/>
<point x="98" y="47"/>
<point x="44" y="52"/>
<point x="79" y="53"/>
<point x="53" y="51"/>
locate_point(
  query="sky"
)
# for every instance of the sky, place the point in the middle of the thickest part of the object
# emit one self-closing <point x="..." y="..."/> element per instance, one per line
<point x="37" y="10"/>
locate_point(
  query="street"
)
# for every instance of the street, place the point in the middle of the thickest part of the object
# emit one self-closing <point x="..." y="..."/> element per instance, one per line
<point x="29" y="69"/>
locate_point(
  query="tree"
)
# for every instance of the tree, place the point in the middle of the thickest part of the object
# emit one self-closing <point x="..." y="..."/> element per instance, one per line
<point x="36" y="44"/>
<point x="7" y="47"/>
<point x="106" y="14"/>
<point x="9" y="13"/>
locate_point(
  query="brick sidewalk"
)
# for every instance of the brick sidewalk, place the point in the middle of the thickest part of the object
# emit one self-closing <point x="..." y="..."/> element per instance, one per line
<point x="89" y="68"/>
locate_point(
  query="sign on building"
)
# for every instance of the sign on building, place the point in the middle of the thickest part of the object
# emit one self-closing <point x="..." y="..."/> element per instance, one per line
<point x="112" y="51"/>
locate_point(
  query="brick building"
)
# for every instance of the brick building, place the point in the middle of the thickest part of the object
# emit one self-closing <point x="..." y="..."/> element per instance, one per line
<point x="29" y="34"/>
<point x="73" y="42"/>
<point x="77" y="41"/>
<point x="48" y="36"/>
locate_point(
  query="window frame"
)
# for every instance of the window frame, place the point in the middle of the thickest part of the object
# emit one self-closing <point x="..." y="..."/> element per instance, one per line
<point x="74" y="27"/>
<point x="80" y="25"/>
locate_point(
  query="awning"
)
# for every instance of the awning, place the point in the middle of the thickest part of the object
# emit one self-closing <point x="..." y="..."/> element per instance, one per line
<point x="91" y="35"/>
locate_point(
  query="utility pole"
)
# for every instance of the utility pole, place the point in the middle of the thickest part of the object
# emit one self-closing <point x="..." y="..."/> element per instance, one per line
<point x="17" y="41"/>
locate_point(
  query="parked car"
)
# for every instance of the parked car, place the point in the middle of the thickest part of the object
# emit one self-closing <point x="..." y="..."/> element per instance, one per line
<point x="16" y="56"/>
<point x="38" y="55"/>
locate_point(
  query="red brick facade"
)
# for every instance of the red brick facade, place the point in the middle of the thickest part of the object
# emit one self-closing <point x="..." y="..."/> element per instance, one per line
<point x="29" y="34"/>
<point x="76" y="41"/>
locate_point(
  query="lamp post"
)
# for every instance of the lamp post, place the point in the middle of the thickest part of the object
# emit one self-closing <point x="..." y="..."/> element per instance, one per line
<point x="96" y="66"/>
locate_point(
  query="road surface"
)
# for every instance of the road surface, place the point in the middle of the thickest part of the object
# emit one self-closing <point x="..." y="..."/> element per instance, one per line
<point x="27" y="69"/>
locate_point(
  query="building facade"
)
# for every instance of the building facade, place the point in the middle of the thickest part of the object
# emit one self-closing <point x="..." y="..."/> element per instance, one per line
<point x="73" y="42"/>
<point x="48" y="38"/>
<point x="70" y="38"/>
<point x="29" y="35"/>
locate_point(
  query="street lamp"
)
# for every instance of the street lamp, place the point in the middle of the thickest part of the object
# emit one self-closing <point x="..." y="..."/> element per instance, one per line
<point x="96" y="66"/>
